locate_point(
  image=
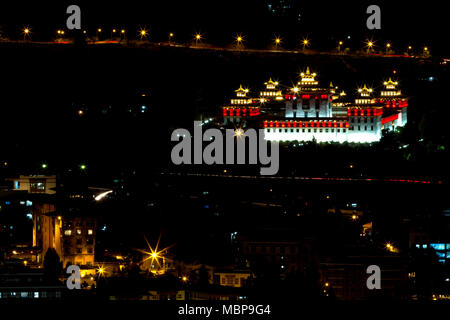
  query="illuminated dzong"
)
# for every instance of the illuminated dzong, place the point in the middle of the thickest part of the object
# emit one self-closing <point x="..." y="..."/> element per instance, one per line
<point x="308" y="112"/>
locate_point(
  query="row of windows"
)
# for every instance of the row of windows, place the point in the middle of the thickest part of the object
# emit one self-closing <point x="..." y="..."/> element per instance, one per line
<point x="309" y="130"/>
<point x="78" y="251"/>
<point x="361" y="120"/>
<point x="272" y="249"/>
<point x="230" y="280"/>
<point x="30" y="294"/>
<point x="359" y="128"/>
<point x="78" y="232"/>
<point x="442" y="250"/>
<point x="68" y="224"/>
<point x="79" y="241"/>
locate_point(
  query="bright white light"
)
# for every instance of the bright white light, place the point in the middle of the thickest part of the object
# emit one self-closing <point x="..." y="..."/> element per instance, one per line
<point x="102" y="195"/>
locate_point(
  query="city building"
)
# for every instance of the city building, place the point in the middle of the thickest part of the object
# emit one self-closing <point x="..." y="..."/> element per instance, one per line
<point x="35" y="183"/>
<point x="345" y="277"/>
<point x="232" y="278"/>
<point x="309" y="112"/>
<point x="70" y="232"/>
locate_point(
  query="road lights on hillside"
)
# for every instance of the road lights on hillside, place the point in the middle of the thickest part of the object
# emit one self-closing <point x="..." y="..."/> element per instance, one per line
<point x="388" y="47"/>
<point x="370" y="44"/>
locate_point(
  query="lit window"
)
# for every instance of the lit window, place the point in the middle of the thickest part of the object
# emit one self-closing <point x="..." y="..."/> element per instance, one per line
<point x="78" y="231"/>
<point x="68" y="232"/>
<point x="37" y="185"/>
<point x="90" y="231"/>
<point x="438" y="246"/>
<point x="36" y="294"/>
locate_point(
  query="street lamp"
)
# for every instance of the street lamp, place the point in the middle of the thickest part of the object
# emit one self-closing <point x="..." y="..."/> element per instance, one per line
<point x="277" y="41"/>
<point x="99" y="30"/>
<point x="198" y="37"/>
<point x="340" y="43"/>
<point x="171" y="35"/>
<point x="26" y="32"/>
<point x="369" y="45"/>
<point x="388" y="46"/>
<point x="143" y="33"/>
<point x="305" y="43"/>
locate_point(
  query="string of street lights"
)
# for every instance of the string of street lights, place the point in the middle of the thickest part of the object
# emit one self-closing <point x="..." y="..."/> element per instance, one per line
<point x="143" y="34"/>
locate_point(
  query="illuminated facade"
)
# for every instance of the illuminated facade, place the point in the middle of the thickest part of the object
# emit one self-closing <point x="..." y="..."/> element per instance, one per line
<point x="308" y="112"/>
<point x="35" y="183"/>
<point x="71" y="235"/>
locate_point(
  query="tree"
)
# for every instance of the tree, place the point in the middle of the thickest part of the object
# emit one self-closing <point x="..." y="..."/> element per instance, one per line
<point x="52" y="266"/>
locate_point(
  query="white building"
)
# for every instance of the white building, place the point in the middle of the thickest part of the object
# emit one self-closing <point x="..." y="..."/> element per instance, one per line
<point x="308" y="112"/>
